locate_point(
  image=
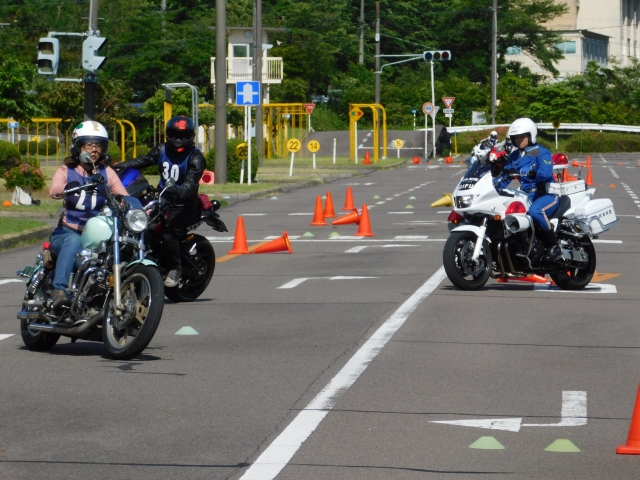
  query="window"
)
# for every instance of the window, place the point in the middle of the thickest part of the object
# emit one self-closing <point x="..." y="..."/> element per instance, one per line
<point x="567" y="47"/>
<point x="242" y="51"/>
<point x="514" y="51"/>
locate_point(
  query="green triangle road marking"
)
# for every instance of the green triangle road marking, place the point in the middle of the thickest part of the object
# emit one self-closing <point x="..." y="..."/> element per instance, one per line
<point x="409" y="206"/>
<point x="308" y="234"/>
<point x="334" y="234"/>
<point x="226" y="196"/>
<point x="562" y="445"/>
<point x="274" y="198"/>
<point x="375" y="197"/>
<point x="487" y="443"/>
<point x="412" y="197"/>
<point x="187" y="331"/>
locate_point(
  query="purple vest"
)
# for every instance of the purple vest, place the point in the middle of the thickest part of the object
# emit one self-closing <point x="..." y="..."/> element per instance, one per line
<point x="85" y="204"/>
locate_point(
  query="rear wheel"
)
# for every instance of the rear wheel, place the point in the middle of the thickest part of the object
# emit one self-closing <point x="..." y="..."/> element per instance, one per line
<point x="578" y="278"/>
<point x="37" y="341"/>
<point x="191" y="287"/>
<point x="463" y="272"/>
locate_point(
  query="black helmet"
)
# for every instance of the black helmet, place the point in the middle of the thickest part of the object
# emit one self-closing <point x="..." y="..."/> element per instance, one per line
<point x="180" y="133"/>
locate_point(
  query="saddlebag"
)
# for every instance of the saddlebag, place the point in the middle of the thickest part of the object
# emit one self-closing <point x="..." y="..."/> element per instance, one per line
<point x="566" y="188"/>
<point x="598" y="214"/>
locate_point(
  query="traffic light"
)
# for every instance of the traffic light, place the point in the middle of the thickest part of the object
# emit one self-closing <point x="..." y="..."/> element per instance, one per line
<point x="437" y="55"/>
<point x="91" y="62"/>
<point x="48" y="55"/>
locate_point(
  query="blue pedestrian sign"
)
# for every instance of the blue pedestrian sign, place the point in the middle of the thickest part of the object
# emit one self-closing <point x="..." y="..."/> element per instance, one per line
<point x="13" y="124"/>
<point x="248" y="93"/>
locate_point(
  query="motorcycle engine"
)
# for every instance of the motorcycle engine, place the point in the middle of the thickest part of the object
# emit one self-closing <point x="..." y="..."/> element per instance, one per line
<point x="537" y="250"/>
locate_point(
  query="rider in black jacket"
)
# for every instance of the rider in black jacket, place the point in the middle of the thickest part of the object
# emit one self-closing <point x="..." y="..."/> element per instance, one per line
<point x="179" y="159"/>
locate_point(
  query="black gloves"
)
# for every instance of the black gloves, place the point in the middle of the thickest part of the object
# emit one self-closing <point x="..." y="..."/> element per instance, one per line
<point x="71" y="185"/>
<point x="509" y="171"/>
<point x="532" y="174"/>
<point x="117" y="167"/>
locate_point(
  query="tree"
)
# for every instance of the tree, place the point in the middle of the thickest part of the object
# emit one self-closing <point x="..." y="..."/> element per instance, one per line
<point x="17" y="98"/>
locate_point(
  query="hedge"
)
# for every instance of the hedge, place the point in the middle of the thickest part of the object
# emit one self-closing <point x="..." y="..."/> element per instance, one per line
<point x="9" y="156"/>
<point x="234" y="164"/>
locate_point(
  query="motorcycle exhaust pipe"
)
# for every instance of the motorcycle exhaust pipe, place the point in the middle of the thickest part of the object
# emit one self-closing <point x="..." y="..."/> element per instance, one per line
<point x="517" y="223"/>
<point x="45" y="327"/>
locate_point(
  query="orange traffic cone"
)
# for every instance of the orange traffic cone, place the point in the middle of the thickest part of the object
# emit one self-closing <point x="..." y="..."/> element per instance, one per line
<point x="448" y="160"/>
<point x="416" y="160"/>
<point x="349" y="218"/>
<point x="348" y="202"/>
<point x="632" y="447"/>
<point x="589" y="180"/>
<point x="367" y="158"/>
<point x="240" y="240"/>
<point x="589" y="162"/>
<point x="530" y="278"/>
<point x="278" y="245"/>
<point x="328" y="207"/>
<point x="565" y="176"/>
<point x="364" y="227"/>
<point x="318" y="217"/>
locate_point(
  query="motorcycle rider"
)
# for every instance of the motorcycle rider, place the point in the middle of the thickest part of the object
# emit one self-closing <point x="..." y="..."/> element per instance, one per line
<point x="90" y="137"/>
<point x="492" y="139"/>
<point x="533" y="163"/>
<point x="181" y="160"/>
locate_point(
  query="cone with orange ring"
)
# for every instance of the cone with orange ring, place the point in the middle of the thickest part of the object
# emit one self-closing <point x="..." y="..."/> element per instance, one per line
<point x="364" y="227"/>
<point x="632" y="446"/>
<point x="348" y="202"/>
<point x="318" y="216"/>
<point x="349" y="218"/>
<point x="240" y="246"/>
<point x="329" y="212"/>
<point x="278" y="245"/>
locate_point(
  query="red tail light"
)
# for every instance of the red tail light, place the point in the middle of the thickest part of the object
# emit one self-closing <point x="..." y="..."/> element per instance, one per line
<point x="455" y="217"/>
<point x="46" y="246"/>
<point x="516" y="207"/>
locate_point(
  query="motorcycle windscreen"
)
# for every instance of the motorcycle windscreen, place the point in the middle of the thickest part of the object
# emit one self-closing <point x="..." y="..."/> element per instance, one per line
<point x="133" y="202"/>
<point x="477" y="170"/>
<point x="130" y="176"/>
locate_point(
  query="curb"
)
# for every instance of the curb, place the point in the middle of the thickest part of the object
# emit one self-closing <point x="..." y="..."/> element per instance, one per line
<point x="33" y="234"/>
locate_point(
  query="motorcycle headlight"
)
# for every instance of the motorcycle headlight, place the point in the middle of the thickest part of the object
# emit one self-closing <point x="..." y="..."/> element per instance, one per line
<point x="136" y="220"/>
<point x="464" y="201"/>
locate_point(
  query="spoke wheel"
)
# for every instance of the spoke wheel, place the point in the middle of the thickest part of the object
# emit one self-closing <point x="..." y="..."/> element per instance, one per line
<point x="463" y="272"/>
<point x="191" y="287"/>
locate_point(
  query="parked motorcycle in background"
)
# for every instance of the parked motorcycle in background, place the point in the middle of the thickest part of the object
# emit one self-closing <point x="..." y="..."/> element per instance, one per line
<point x="116" y="293"/>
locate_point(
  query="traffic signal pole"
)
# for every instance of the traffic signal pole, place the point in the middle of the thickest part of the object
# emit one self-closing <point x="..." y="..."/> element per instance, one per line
<point x="91" y="80"/>
<point x="221" y="92"/>
<point x="433" y="117"/>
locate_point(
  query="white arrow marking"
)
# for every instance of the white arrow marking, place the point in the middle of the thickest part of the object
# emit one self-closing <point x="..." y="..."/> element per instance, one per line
<point x="592" y="288"/>
<point x="6" y="335"/>
<point x="509" y="424"/>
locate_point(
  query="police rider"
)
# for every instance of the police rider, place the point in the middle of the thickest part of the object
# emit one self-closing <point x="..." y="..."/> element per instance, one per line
<point x="179" y="159"/>
<point x="532" y="162"/>
<point x="90" y="137"/>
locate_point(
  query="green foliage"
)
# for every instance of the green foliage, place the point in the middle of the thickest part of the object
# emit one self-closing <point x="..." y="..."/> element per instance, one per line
<point x="24" y="176"/>
<point x="234" y="164"/>
<point x="9" y="156"/>
<point x="17" y="100"/>
<point x="324" y="119"/>
<point x="49" y="145"/>
<point x="592" y="142"/>
<point x="31" y="145"/>
<point x="115" y="152"/>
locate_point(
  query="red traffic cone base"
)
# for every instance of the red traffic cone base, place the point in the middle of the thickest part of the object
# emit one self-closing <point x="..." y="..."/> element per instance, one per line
<point x="318" y="216"/>
<point x="240" y="240"/>
<point x="278" y="245"/>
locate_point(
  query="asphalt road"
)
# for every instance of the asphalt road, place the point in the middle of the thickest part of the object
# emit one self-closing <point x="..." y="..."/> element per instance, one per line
<point x="342" y="378"/>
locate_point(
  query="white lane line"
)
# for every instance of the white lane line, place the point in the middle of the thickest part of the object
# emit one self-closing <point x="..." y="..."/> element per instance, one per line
<point x="397" y="194"/>
<point x="273" y="237"/>
<point x="591" y="288"/>
<point x="291" y="214"/>
<point x="348" y="278"/>
<point x="283" y="448"/>
<point x="5" y="335"/>
<point x="252" y="214"/>
<point x="395" y="246"/>
<point x="603" y="160"/>
<point x="11" y="280"/>
<point x="297" y="281"/>
<point x="400" y="213"/>
<point x="380" y="202"/>
<point x="613" y="172"/>
<point x="411" y="237"/>
<point x="390" y="198"/>
<point x="444" y="211"/>
<point x="606" y="241"/>
<point x="362" y="247"/>
<point x="342" y="239"/>
<point x="356" y="249"/>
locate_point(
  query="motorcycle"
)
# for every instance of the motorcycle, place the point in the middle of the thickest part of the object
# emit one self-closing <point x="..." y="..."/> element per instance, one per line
<point x="491" y="234"/>
<point x="196" y="252"/>
<point x="479" y="153"/>
<point x="116" y="292"/>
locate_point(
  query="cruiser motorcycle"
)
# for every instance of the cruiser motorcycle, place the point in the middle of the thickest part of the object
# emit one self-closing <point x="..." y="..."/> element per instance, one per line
<point x="491" y="234"/>
<point x="116" y="292"/>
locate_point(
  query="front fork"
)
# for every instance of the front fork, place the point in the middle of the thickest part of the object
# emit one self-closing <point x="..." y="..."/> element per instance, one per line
<point x="480" y="241"/>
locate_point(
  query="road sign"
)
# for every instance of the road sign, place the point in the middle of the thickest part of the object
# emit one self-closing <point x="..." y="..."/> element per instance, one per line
<point x="309" y="107"/>
<point x="448" y="110"/>
<point x="242" y="151"/>
<point x="12" y="124"/>
<point x="293" y="145"/>
<point x="448" y="101"/>
<point x="436" y="109"/>
<point x="248" y="93"/>
<point x="427" y="108"/>
<point x="356" y="113"/>
<point x="313" y="146"/>
<point x="448" y="115"/>
<point x="398" y="143"/>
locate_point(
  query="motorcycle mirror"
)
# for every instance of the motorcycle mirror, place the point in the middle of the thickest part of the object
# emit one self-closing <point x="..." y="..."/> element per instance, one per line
<point x="171" y="182"/>
<point x="85" y="157"/>
<point x="216" y="205"/>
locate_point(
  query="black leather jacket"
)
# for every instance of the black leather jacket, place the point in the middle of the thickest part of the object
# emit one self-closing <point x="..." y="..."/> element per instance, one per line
<point x="188" y="190"/>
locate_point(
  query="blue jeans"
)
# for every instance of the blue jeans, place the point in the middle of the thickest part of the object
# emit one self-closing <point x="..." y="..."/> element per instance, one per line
<point x="66" y="245"/>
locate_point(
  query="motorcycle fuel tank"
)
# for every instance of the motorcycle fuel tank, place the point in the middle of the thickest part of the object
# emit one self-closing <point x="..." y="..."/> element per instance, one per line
<point x="97" y="229"/>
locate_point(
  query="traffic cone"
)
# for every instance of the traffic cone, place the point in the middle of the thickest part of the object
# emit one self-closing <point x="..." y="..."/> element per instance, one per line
<point x="448" y="160"/>
<point x="353" y="217"/>
<point x="278" y="245"/>
<point x="529" y="278"/>
<point x="318" y="217"/>
<point x="364" y="227"/>
<point x="207" y="178"/>
<point x="416" y="160"/>
<point x="367" y="158"/>
<point x="348" y="202"/>
<point x="576" y="163"/>
<point x="632" y="446"/>
<point x="589" y="180"/>
<point x="565" y="176"/>
<point x="328" y="207"/>
<point x="589" y="162"/>
<point x="240" y="240"/>
<point x="444" y="201"/>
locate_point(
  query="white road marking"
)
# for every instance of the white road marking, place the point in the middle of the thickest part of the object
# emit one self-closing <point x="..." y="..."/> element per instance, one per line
<point x="395" y="246"/>
<point x="362" y="247"/>
<point x="397" y="194"/>
<point x="297" y="281"/>
<point x="390" y="198"/>
<point x="291" y="214"/>
<point x="283" y="448"/>
<point x="444" y="211"/>
<point x="380" y="202"/>
<point x="220" y="239"/>
<point x="603" y="160"/>
<point x="5" y="335"/>
<point x="11" y="280"/>
<point x="591" y="288"/>
<point x="606" y="241"/>
<point x="411" y="237"/>
<point x="572" y="414"/>
<point x="273" y="237"/>
<point x="400" y="213"/>
<point x="356" y="249"/>
<point x="252" y="214"/>
<point x="344" y="238"/>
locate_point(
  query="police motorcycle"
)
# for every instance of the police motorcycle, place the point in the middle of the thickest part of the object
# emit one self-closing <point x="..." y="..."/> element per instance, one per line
<point x="196" y="252"/>
<point x="116" y="292"/>
<point x="479" y="153"/>
<point x="491" y="234"/>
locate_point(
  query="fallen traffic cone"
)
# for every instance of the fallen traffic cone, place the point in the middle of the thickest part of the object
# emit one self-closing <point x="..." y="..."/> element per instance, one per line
<point x="318" y="217"/>
<point x="364" y="227"/>
<point x="445" y="201"/>
<point x="278" y="245"/>
<point x="348" y="202"/>
<point x="416" y="160"/>
<point x="328" y="207"/>
<point x="367" y="158"/>
<point x="531" y="279"/>
<point x="632" y="446"/>
<point x="240" y="240"/>
<point x="353" y="217"/>
<point x="589" y="180"/>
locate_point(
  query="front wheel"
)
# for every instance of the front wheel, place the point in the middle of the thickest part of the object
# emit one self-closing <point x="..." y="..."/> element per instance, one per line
<point x="578" y="278"/>
<point x="463" y="272"/>
<point x="192" y="286"/>
<point x="125" y="336"/>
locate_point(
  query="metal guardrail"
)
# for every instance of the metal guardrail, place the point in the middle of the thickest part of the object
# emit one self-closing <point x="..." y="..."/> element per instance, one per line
<point x="549" y="126"/>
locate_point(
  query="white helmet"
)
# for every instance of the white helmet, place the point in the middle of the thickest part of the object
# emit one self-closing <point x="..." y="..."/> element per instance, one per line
<point x="90" y="132"/>
<point x="522" y="126"/>
<point x="494" y="134"/>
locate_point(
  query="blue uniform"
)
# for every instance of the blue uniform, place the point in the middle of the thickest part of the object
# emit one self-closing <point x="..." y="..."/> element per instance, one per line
<point x="538" y="158"/>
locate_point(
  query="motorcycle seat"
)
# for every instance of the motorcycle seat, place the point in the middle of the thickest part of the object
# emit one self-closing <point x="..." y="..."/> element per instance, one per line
<point x="565" y="204"/>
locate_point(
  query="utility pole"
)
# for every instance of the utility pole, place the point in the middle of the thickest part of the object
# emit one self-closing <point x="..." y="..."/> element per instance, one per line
<point x="91" y="79"/>
<point x="377" y="52"/>
<point x="257" y="72"/>
<point x="221" y="92"/>
<point x="494" y="62"/>
<point x="361" y="19"/>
